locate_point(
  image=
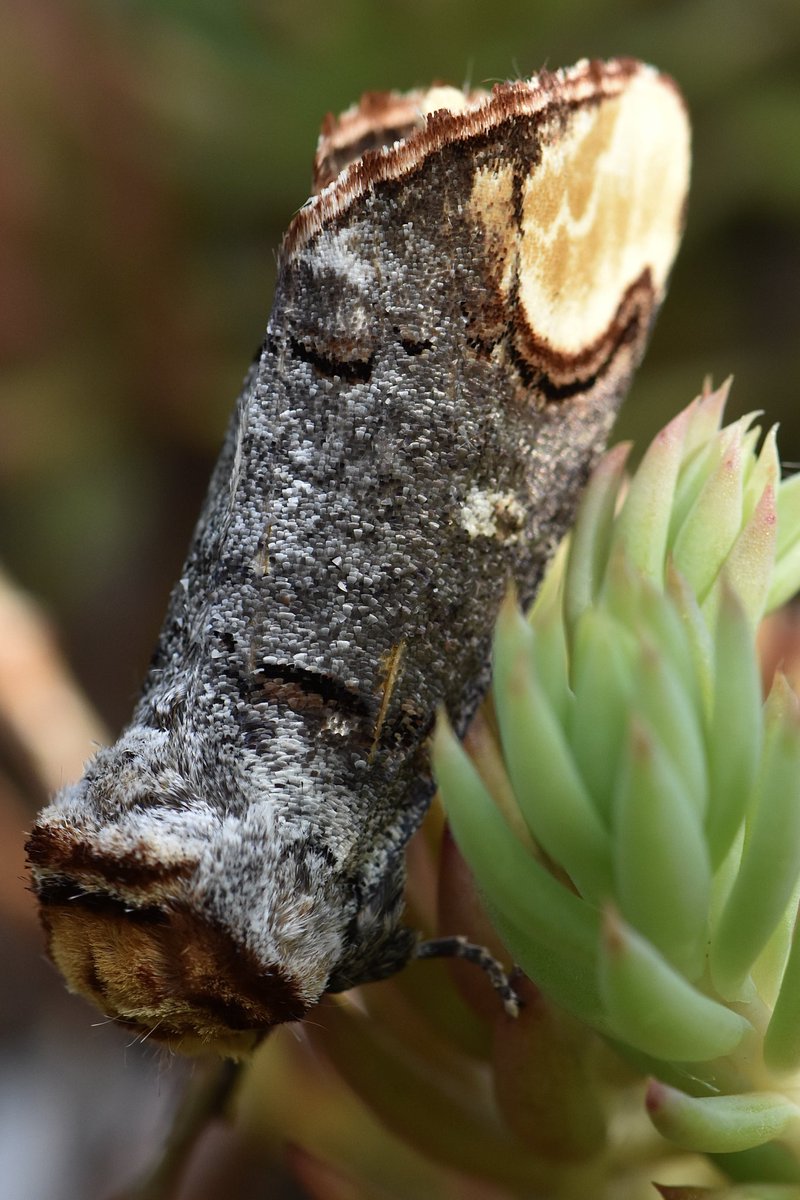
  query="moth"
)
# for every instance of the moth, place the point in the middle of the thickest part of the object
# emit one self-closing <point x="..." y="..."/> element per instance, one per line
<point x="458" y="312"/>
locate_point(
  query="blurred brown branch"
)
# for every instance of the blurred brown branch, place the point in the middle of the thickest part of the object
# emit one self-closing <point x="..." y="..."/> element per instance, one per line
<point x="47" y="730"/>
<point x="41" y="706"/>
<point x="207" y="1097"/>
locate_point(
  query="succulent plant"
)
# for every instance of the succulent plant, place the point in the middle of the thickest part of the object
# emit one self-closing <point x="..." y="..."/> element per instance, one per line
<point x="632" y="817"/>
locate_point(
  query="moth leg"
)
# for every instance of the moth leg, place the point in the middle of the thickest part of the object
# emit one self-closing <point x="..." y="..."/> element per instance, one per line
<point x="460" y="947"/>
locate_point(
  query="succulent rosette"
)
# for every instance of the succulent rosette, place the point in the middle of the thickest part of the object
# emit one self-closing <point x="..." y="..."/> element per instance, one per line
<point x="632" y="811"/>
<point x="628" y="801"/>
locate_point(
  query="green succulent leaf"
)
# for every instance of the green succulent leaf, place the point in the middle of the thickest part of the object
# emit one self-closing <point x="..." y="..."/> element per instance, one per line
<point x="551" y="659"/>
<point x="661" y="868"/>
<point x="549" y="790"/>
<point x="661" y="701"/>
<point x="642" y="528"/>
<point x="712" y="524"/>
<point x="653" y="1008"/>
<point x="782" y="1039"/>
<point x="549" y="930"/>
<point x="603" y="682"/>
<point x="749" y="565"/>
<point x="770" y="864"/>
<point x="734" y="736"/>
<point x="591" y="538"/>
<point x="720" y="1124"/>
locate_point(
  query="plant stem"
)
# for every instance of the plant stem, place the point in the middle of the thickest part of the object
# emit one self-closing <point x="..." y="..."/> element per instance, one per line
<point x="207" y="1097"/>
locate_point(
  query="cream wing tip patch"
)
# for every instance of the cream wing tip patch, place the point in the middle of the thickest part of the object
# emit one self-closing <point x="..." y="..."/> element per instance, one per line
<point x="602" y="212"/>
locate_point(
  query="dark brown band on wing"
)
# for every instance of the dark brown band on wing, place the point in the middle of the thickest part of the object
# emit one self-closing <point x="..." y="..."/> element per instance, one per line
<point x="377" y="121"/>
<point x="65" y="856"/>
<point x="333" y="159"/>
<point x="562" y="370"/>
<point x="541" y="97"/>
<point x="63" y="893"/>
<point x="307" y="690"/>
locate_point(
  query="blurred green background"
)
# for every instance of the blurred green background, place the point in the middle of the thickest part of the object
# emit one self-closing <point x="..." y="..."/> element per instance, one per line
<point x="153" y="153"/>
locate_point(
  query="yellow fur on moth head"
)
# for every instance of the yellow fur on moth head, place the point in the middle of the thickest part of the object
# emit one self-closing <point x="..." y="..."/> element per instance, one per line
<point x="150" y="979"/>
<point x="124" y="933"/>
<point x="169" y="976"/>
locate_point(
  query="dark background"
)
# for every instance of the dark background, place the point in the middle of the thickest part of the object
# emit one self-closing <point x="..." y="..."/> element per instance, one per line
<point x="151" y="154"/>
